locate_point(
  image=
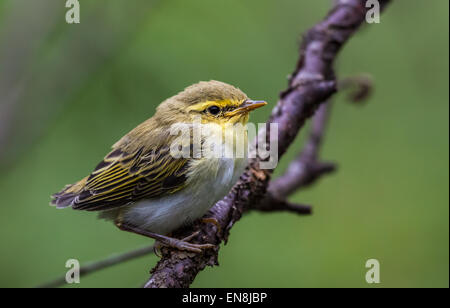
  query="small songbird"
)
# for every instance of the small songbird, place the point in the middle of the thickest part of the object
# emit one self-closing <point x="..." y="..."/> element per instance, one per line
<point x="145" y="189"/>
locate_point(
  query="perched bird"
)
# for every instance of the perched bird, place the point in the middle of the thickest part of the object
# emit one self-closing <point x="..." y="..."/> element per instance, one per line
<point x="144" y="189"/>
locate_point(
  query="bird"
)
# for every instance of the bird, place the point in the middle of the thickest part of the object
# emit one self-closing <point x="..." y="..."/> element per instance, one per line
<point x="143" y="188"/>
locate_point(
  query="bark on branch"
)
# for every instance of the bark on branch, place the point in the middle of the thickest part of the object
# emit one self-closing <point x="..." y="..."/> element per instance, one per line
<point x="310" y="85"/>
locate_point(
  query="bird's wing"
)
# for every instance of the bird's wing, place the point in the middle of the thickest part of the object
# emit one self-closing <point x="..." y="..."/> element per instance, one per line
<point x="122" y="178"/>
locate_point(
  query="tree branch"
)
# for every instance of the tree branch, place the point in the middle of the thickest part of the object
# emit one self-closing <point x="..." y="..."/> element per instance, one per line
<point x="101" y="264"/>
<point x="311" y="84"/>
<point x="306" y="169"/>
<point x="301" y="172"/>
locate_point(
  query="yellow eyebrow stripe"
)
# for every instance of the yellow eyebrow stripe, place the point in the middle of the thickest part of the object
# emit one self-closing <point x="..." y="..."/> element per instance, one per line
<point x="223" y="103"/>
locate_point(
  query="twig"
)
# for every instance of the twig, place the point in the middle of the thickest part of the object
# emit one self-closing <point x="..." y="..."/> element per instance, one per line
<point x="360" y="86"/>
<point x="101" y="264"/>
<point x="301" y="172"/>
<point x="305" y="169"/>
<point x="270" y="203"/>
<point x="311" y="84"/>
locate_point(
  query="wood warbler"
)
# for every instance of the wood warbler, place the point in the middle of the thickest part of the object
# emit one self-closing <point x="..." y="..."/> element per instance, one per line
<point x="144" y="189"/>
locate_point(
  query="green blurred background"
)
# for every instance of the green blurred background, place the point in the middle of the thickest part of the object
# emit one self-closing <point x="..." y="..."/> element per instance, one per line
<point x="68" y="92"/>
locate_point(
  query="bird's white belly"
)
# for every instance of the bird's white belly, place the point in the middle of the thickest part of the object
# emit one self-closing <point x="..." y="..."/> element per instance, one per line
<point x="213" y="180"/>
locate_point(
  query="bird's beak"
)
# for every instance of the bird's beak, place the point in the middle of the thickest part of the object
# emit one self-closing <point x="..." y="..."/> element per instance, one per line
<point x="246" y="107"/>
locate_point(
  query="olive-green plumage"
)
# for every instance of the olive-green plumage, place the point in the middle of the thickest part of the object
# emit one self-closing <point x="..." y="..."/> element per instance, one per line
<point x="139" y="165"/>
<point x="139" y="184"/>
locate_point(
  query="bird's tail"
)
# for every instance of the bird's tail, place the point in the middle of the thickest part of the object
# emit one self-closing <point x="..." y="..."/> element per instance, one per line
<point x="67" y="196"/>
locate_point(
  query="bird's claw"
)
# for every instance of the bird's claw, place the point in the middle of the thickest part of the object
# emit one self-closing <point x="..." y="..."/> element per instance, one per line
<point x="183" y="244"/>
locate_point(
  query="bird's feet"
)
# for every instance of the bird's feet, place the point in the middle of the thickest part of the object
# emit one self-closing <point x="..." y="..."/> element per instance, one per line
<point x="182" y="244"/>
<point x="162" y="240"/>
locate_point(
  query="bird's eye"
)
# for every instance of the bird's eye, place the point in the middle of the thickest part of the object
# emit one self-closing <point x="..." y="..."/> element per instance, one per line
<point x="214" y="110"/>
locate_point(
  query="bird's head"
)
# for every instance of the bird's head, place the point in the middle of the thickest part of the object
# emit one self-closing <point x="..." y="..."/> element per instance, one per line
<point x="211" y="101"/>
